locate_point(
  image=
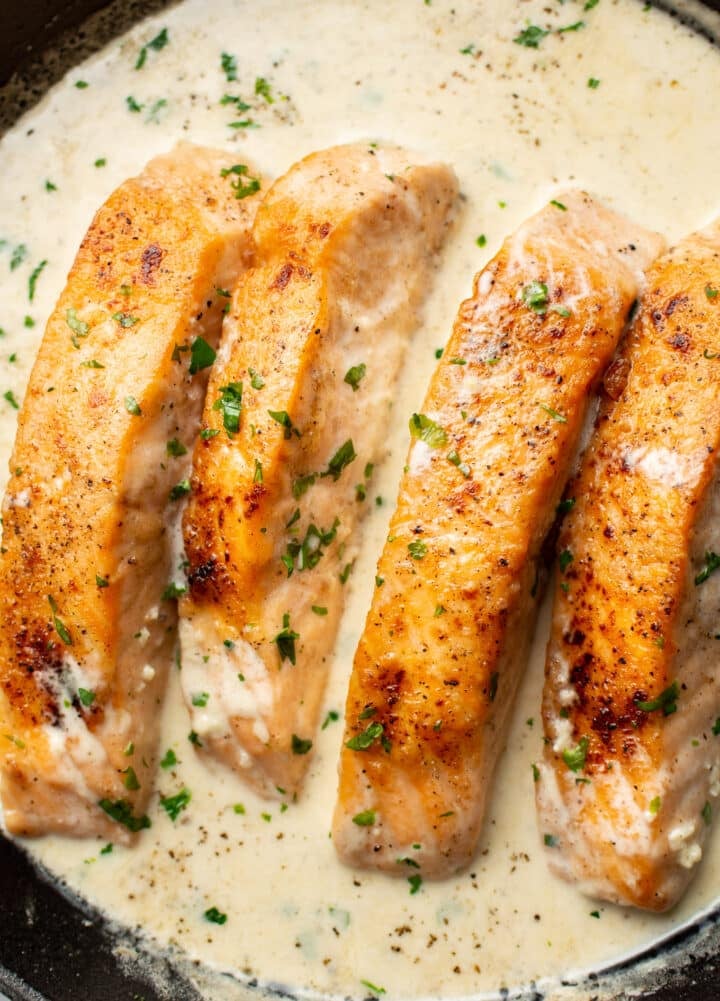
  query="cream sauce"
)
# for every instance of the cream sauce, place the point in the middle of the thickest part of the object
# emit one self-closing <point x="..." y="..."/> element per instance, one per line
<point x="516" y="123"/>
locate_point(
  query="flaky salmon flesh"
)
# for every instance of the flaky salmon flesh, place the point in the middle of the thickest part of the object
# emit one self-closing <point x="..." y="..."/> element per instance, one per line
<point x="447" y="636"/>
<point x="100" y="461"/>
<point x="295" y="419"/>
<point x="631" y="768"/>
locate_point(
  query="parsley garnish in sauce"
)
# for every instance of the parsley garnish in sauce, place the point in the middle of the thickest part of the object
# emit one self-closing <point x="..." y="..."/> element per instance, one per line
<point x="174" y="805"/>
<point x="120" y="811"/>
<point x="285" y="641"/>
<point x="712" y="563"/>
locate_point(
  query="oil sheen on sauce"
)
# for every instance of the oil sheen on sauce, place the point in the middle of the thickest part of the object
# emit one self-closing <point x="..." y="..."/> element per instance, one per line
<point x="615" y="103"/>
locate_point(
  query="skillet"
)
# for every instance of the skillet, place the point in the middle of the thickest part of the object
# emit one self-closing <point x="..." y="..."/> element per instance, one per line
<point x="54" y="947"/>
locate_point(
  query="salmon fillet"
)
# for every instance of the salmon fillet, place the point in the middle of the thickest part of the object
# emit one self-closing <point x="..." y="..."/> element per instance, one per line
<point x="295" y="418"/>
<point x="447" y="636"/>
<point x="100" y="461"/>
<point x="632" y="760"/>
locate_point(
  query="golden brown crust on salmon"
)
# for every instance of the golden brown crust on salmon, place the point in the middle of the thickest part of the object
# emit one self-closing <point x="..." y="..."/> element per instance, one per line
<point x="85" y="635"/>
<point x="631" y="691"/>
<point x="345" y="247"/>
<point x="447" y="635"/>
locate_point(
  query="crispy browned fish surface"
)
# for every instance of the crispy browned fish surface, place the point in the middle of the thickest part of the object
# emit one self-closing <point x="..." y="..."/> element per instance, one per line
<point x="103" y="446"/>
<point x="346" y="242"/>
<point x="447" y="635"/>
<point x="632" y="764"/>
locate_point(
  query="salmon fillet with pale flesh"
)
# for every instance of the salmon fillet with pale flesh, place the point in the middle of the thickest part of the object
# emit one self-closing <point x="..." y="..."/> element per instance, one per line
<point x="296" y="416"/>
<point x="100" y="462"/>
<point x="447" y="636"/>
<point x="631" y="767"/>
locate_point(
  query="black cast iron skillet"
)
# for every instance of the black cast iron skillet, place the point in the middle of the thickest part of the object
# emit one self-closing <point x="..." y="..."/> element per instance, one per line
<point x="55" y="948"/>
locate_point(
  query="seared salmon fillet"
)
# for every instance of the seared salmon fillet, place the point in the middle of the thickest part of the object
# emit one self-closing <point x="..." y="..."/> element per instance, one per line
<point x="632" y="696"/>
<point x="294" y="420"/>
<point x="101" y="459"/>
<point x="447" y="635"/>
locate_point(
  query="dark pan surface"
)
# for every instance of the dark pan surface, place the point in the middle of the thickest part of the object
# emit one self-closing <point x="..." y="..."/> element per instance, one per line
<point x="54" y="948"/>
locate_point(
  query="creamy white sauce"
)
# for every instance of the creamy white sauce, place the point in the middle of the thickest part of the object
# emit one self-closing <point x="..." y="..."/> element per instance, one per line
<point x="517" y="124"/>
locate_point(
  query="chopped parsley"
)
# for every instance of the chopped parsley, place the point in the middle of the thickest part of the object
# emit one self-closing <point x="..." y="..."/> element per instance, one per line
<point x="363" y="741"/>
<point x="10" y="397"/>
<point x="666" y="700"/>
<point x="175" y="448"/>
<point x="100" y="162"/>
<point x="531" y="36"/>
<point x="454" y="458"/>
<point x="229" y="66"/>
<point x="415" y="882"/>
<point x="101" y="581"/>
<point x="18" y="256"/>
<point x="593" y="82"/>
<point x="78" y="327"/>
<point x="195" y="739"/>
<point x="481" y="240"/>
<point x="535" y="297"/>
<point x="282" y="417"/>
<point x="558" y="205"/>
<point x="366" y="818"/>
<point x="373" y="987"/>
<point x="131" y="780"/>
<point x="654" y="805"/>
<point x="302" y="484"/>
<point x="565" y="559"/>
<point x="285" y="640"/>
<point x="173" y="590"/>
<point x="241" y="187"/>
<point x="354" y="376"/>
<point x="307" y="554"/>
<point x="169" y="759"/>
<point x="712" y="563"/>
<point x="706" y="813"/>
<point x="342" y="458"/>
<point x="200" y="699"/>
<point x="229" y="403"/>
<point x="574" y="757"/>
<point x="86" y="697"/>
<point x="319" y="609"/>
<point x="202" y="355"/>
<point x="346" y="571"/>
<point x="550" y="841"/>
<point x="566" y="505"/>
<point x="555" y="414"/>
<point x="576" y="26"/>
<point x="427" y="430"/>
<point x="214" y="916"/>
<point x="300" y="745"/>
<point x="156" y="44"/>
<point x="174" y="805"/>
<point x="262" y="89"/>
<point x="120" y="811"/>
<point x="332" y="717"/>
<point x="125" y="319"/>
<point x="258" y="474"/>
<point x="132" y="406"/>
<point x="417" y="549"/>
<point x="60" y="628"/>
<point x="132" y="104"/>
<point x="181" y="489"/>
<point x="107" y="849"/>
<point x="32" y="280"/>
<point x="256" y="380"/>
<point x="710" y="292"/>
